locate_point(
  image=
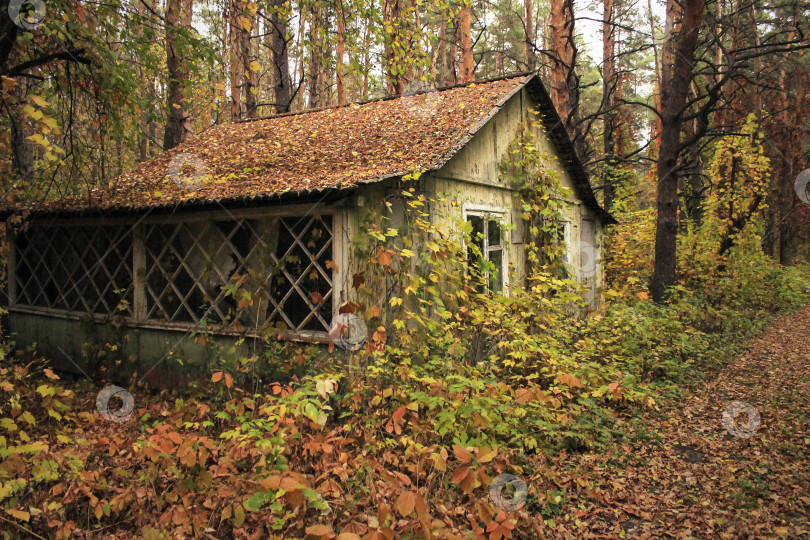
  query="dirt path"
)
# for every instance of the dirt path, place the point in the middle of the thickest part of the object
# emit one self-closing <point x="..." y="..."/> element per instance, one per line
<point x="685" y="476"/>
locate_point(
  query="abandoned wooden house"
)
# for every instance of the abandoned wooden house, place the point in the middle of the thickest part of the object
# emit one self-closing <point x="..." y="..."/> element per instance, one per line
<point x="150" y="257"/>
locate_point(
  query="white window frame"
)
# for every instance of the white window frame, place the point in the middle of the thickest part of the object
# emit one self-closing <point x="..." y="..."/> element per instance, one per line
<point x="486" y="212"/>
<point x="566" y="228"/>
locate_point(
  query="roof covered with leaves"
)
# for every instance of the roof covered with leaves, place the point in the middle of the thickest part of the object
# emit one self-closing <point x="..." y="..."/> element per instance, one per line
<point x="310" y="151"/>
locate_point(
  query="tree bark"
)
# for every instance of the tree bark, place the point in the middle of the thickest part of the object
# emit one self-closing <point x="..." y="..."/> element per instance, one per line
<point x="609" y="84"/>
<point x="249" y="89"/>
<point x="453" y="67"/>
<point x="178" y="23"/>
<point x="143" y="141"/>
<point x="676" y="80"/>
<point x="563" y="79"/>
<point x="282" y="88"/>
<point x="528" y="44"/>
<point x="315" y="56"/>
<point x="467" y="57"/>
<point x="440" y="54"/>
<point x="367" y="50"/>
<point x="237" y="66"/>
<point x="394" y="46"/>
<point x="224" y="51"/>
<point x="339" y="52"/>
<point x="22" y="157"/>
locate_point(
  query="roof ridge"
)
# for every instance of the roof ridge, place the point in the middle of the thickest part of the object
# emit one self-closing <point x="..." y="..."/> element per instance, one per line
<point x="387" y="98"/>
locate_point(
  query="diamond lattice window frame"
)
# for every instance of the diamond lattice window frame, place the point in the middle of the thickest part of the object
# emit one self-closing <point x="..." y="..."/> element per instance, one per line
<point x="141" y="313"/>
<point x="55" y="267"/>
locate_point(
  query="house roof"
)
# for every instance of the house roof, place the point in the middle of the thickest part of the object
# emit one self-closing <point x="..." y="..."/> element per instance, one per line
<point x="320" y="150"/>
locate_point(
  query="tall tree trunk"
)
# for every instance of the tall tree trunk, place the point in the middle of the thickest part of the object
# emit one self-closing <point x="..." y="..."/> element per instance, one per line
<point x="528" y="44"/>
<point x="22" y="158"/>
<point x="236" y="61"/>
<point x="252" y="75"/>
<point x="327" y="74"/>
<point x="152" y="127"/>
<point x="303" y="12"/>
<point x="454" y="70"/>
<point x="224" y="51"/>
<point x="282" y="88"/>
<point x="609" y="83"/>
<point x="178" y="23"/>
<point x="367" y="50"/>
<point x="249" y="89"/>
<point x="440" y="54"/>
<point x="676" y="79"/>
<point x="467" y="57"/>
<point x="341" y="45"/>
<point x="394" y="46"/>
<point x="143" y="141"/>
<point x="563" y="78"/>
<point x="791" y="104"/>
<point x="315" y="56"/>
<point x="414" y="43"/>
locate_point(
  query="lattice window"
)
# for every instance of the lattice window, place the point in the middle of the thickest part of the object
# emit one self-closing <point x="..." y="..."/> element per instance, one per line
<point x="239" y="273"/>
<point x="85" y="269"/>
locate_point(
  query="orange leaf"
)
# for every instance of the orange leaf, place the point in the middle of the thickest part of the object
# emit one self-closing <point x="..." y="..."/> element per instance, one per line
<point x="460" y="474"/>
<point x="228" y="380"/>
<point x="571" y="380"/>
<point x="421" y="508"/>
<point x="406" y="503"/>
<point x="462" y="454"/>
<point x="19" y="514"/>
<point x="217" y="377"/>
<point x="319" y="530"/>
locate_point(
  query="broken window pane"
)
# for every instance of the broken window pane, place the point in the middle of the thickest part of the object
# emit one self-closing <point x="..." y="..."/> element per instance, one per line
<point x="85" y="269"/>
<point x="242" y="273"/>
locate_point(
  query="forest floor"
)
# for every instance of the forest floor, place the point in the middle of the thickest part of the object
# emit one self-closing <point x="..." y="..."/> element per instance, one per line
<point x="677" y="472"/>
<point x="684" y="475"/>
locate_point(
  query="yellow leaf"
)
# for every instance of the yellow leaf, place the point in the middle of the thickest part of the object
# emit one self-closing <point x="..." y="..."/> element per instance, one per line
<point x="39" y="101"/>
<point x="8" y="83"/>
<point x="255" y="66"/>
<point x="19" y="514"/>
<point x="486" y="455"/>
<point x="238" y="514"/>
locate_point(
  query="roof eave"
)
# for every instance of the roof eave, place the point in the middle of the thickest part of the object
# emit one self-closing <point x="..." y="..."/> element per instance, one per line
<point x="565" y="148"/>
